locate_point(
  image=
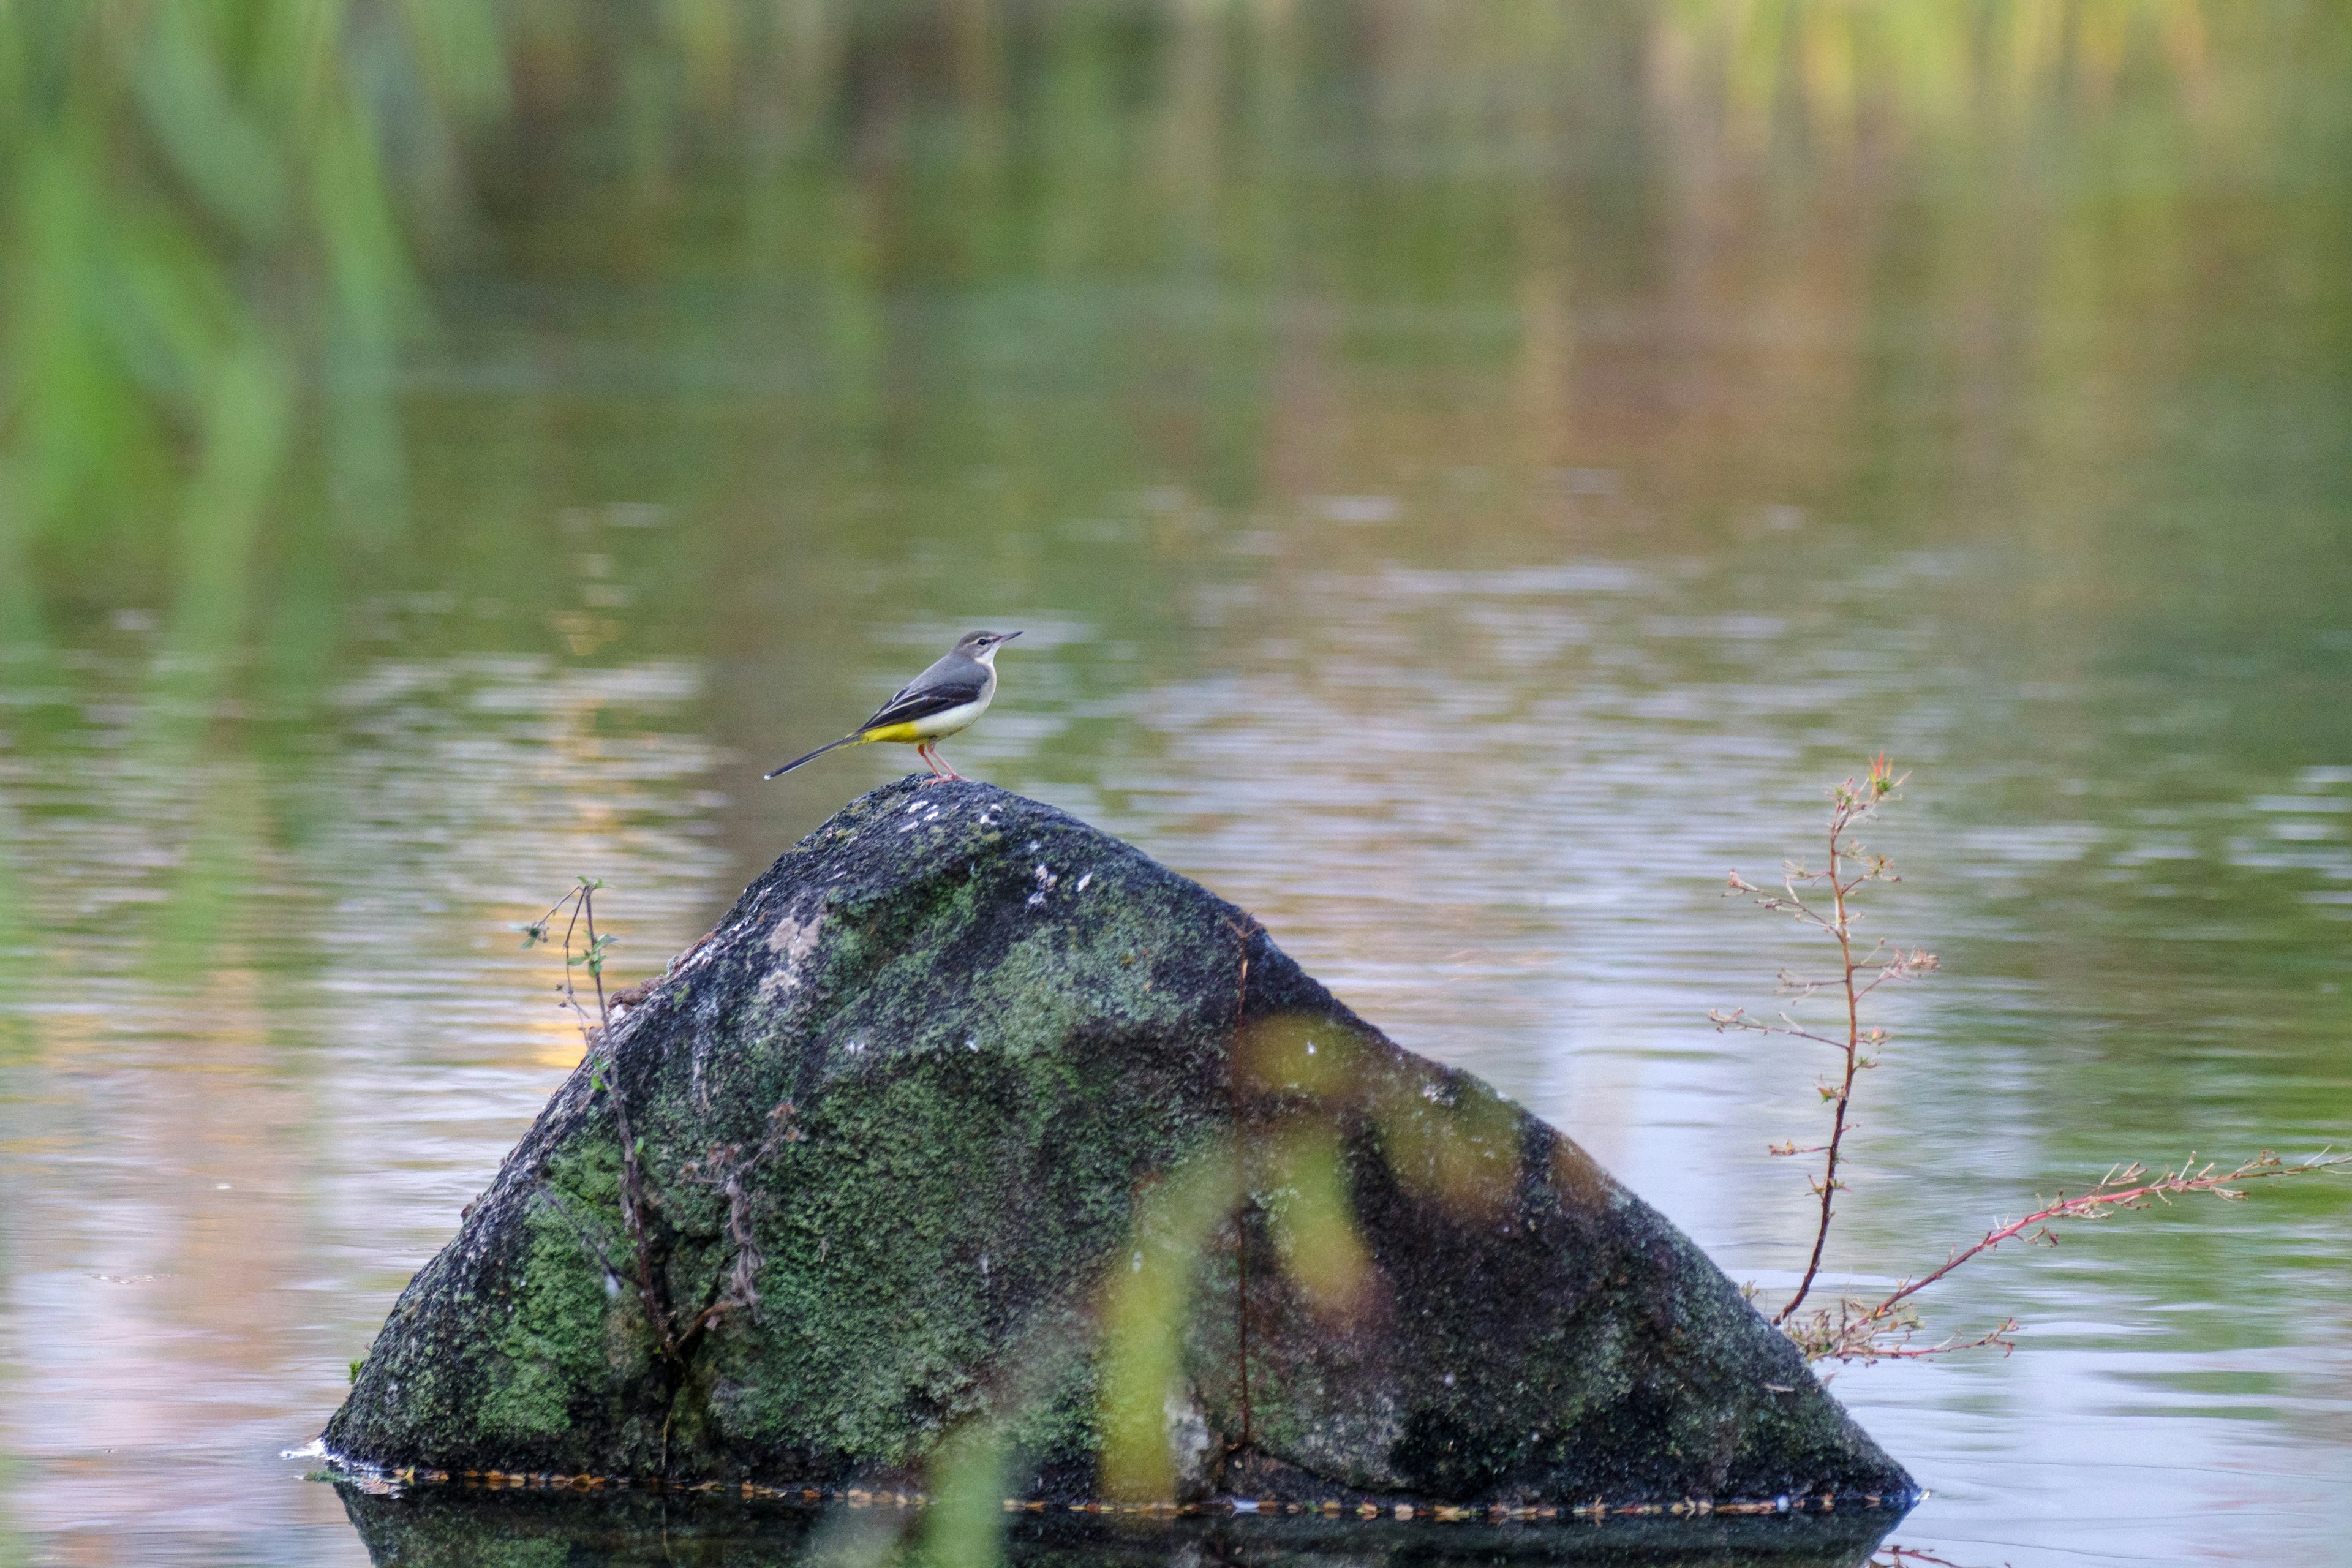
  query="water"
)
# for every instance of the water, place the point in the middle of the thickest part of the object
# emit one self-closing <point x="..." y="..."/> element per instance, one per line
<point x="1467" y="488"/>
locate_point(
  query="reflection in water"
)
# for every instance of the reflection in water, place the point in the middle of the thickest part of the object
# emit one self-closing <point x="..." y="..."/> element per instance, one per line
<point x="438" y="1526"/>
<point x="1467" y="478"/>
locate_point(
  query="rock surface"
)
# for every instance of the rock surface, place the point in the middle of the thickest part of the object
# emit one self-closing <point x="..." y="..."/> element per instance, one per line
<point x="1075" y="1172"/>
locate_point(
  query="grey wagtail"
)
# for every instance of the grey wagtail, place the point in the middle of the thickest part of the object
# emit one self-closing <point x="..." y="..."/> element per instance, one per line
<point x="934" y="705"/>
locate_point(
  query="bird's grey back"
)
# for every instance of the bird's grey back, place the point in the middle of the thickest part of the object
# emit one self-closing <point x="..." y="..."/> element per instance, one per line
<point x="951" y="670"/>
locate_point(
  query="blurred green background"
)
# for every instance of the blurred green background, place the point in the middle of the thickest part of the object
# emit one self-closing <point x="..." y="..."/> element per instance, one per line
<point x="262" y="259"/>
<point x="1470" y="474"/>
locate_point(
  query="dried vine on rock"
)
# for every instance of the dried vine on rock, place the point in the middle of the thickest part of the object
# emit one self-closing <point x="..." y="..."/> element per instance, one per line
<point x="1244" y="929"/>
<point x="724" y="1168"/>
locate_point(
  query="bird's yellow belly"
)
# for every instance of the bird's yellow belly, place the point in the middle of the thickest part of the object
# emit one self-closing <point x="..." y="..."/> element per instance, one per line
<point x="929" y="728"/>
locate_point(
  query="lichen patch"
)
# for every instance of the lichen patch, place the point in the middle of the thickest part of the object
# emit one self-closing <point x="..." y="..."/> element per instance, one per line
<point x="792" y="940"/>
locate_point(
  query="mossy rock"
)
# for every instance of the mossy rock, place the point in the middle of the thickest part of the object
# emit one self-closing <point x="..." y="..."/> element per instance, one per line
<point x="1072" y="1172"/>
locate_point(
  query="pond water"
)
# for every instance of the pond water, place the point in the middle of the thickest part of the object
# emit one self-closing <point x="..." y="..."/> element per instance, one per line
<point x="1463" y="496"/>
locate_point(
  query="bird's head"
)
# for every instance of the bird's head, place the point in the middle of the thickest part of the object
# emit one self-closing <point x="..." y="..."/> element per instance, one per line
<point x="983" y="646"/>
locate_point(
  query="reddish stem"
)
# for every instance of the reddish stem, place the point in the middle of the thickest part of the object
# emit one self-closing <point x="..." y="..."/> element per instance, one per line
<point x="1839" y="821"/>
<point x="2089" y="1206"/>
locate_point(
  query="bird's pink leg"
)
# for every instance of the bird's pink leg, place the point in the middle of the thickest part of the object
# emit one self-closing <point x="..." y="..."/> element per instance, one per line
<point x="940" y="771"/>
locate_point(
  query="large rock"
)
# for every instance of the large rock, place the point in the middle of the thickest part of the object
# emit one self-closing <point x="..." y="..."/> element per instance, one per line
<point x="1070" y="1169"/>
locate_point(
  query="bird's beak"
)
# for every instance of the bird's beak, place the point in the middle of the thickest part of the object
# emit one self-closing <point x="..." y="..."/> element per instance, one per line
<point x="1008" y="637"/>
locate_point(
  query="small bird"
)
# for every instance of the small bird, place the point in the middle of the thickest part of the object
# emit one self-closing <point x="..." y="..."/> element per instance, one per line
<point x="937" y="703"/>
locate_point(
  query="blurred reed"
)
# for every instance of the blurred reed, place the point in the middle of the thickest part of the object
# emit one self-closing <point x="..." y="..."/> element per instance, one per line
<point x="227" y="227"/>
<point x="222" y="219"/>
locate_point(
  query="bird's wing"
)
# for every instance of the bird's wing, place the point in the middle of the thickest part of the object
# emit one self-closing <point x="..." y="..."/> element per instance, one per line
<point x="948" y="684"/>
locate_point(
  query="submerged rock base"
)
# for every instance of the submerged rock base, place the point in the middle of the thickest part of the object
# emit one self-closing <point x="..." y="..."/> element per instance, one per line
<point x="984" y="1147"/>
<point x="464" y="1528"/>
<point x="375" y="1481"/>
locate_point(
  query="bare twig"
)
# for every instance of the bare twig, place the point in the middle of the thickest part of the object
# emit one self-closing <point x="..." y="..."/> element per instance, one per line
<point x="1858" y="974"/>
<point x="1863" y="1330"/>
<point x="724" y="1168"/>
<point x="579" y="907"/>
<point x="1858" y="1329"/>
<point x="1244" y="930"/>
<point x="2123" y="1187"/>
<point x="1889" y="1555"/>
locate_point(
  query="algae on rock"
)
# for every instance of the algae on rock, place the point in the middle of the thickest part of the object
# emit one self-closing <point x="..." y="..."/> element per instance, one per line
<point x="1083" y="1162"/>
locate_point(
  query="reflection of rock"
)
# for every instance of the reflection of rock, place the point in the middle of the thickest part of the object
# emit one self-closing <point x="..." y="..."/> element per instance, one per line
<point x="1041" y="1184"/>
<point x="449" y="1527"/>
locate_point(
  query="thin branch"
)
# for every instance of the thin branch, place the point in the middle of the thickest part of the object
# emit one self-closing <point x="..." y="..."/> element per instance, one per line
<point x="1244" y="929"/>
<point x="1856" y="1329"/>
<point x="2121" y="1188"/>
<point x="633" y="1181"/>
<point x="1849" y="1333"/>
<point x="579" y="907"/>
<point x="1841" y="929"/>
<point x="1892" y="1556"/>
<point x="726" y="1168"/>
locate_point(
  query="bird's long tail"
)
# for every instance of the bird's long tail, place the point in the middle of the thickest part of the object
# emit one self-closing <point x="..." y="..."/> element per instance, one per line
<point x="797" y="762"/>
